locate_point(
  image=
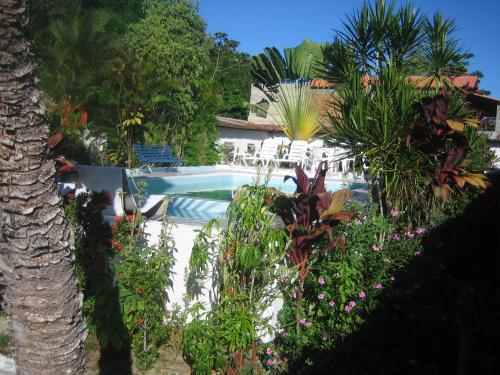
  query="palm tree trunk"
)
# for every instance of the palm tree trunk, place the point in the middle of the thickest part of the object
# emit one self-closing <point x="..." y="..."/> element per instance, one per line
<point x="36" y="257"/>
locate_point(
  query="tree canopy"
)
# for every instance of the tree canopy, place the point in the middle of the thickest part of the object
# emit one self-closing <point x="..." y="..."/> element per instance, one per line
<point x="101" y="62"/>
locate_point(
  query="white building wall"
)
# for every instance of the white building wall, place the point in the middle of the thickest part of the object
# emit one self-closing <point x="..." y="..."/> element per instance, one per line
<point x="231" y="134"/>
<point x="241" y="139"/>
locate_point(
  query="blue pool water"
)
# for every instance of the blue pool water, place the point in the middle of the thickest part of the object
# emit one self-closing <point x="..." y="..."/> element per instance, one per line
<point x="207" y="196"/>
<point x="210" y="182"/>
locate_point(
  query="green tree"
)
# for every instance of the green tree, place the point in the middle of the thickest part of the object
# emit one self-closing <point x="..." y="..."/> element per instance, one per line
<point x="378" y="111"/>
<point x="231" y="72"/>
<point x="79" y="49"/>
<point x="172" y="42"/>
<point x="296" y="108"/>
<point x="377" y="35"/>
<point x="480" y="75"/>
<point x="271" y="67"/>
<point x="203" y="133"/>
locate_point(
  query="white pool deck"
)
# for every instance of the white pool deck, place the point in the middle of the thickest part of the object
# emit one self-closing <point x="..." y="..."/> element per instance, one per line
<point x="239" y="169"/>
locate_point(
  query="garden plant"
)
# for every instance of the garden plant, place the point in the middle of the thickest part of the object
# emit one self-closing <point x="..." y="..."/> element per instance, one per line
<point x="124" y="281"/>
<point x="241" y="264"/>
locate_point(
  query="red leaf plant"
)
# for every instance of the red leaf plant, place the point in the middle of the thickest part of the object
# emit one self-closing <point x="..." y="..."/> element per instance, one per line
<point x="310" y="216"/>
<point x="444" y="138"/>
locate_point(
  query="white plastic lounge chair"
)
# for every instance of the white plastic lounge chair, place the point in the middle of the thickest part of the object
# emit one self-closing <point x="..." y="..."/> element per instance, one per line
<point x="335" y="158"/>
<point x="266" y="154"/>
<point x="296" y="154"/>
<point x="114" y="180"/>
<point x="241" y="150"/>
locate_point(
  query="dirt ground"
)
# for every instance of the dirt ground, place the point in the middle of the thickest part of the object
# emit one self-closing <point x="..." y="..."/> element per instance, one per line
<point x="170" y="362"/>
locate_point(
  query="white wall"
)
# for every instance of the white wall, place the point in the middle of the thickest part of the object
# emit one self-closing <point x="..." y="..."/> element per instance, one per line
<point x="230" y="134"/>
<point x="241" y="138"/>
<point x="184" y="236"/>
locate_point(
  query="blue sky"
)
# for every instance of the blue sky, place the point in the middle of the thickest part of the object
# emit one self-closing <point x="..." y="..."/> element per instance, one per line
<point x="285" y="23"/>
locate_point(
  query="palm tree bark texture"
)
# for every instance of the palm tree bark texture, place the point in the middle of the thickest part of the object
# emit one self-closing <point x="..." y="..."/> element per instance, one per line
<point x="36" y="258"/>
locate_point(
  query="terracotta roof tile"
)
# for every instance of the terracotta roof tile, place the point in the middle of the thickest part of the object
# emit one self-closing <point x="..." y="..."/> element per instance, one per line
<point x="469" y="83"/>
<point x="321" y="84"/>
<point x="226" y="122"/>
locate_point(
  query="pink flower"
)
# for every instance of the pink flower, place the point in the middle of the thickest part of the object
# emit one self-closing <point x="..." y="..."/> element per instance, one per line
<point x="420" y="230"/>
<point x="321" y="281"/>
<point x="269" y="351"/>
<point x="308" y="324"/>
<point x="362" y="295"/>
<point x="418" y="253"/>
<point x="375" y="248"/>
<point x="321" y="296"/>
<point x="302" y="321"/>
<point x="394" y="212"/>
<point x="325" y="338"/>
<point x="378" y="286"/>
<point x="410" y="234"/>
<point x="295" y="294"/>
<point x="271" y="362"/>
<point x="284" y="334"/>
<point x="396" y="237"/>
<point x="392" y="278"/>
<point x="352" y="304"/>
<point x="331" y="303"/>
<point x="348" y="308"/>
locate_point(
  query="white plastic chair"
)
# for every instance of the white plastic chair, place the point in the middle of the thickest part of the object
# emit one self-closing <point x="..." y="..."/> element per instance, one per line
<point x="266" y="154"/>
<point x="296" y="154"/>
<point x="242" y="149"/>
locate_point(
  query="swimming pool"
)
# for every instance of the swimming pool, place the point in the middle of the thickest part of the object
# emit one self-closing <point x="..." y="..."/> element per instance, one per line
<point x="207" y="196"/>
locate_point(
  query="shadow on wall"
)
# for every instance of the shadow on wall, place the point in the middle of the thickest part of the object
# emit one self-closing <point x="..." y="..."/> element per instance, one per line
<point x="442" y="315"/>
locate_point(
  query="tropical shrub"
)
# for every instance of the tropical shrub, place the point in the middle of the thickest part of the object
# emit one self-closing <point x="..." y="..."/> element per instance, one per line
<point x="94" y="271"/>
<point x="144" y="275"/>
<point x="343" y="288"/>
<point x="298" y="113"/>
<point x="310" y="217"/>
<point x="415" y="146"/>
<point x="434" y="312"/>
<point x="390" y="66"/>
<point x="243" y="262"/>
<point x="123" y="280"/>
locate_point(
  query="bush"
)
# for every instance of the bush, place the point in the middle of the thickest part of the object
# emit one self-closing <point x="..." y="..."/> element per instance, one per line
<point x="343" y="288"/>
<point x="124" y="281"/>
<point x="144" y="276"/>
<point x="242" y="261"/>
